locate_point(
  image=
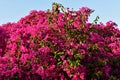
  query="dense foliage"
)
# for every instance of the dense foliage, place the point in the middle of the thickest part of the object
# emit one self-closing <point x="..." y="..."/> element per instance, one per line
<point x="59" y="44"/>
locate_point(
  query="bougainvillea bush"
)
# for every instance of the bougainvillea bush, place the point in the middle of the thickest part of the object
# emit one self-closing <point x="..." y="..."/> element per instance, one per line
<point x="59" y="44"/>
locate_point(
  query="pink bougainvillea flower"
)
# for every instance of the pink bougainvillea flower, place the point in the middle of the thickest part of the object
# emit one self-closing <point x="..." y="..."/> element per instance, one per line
<point x="59" y="44"/>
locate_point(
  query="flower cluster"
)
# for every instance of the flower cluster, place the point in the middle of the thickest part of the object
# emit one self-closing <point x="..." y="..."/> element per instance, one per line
<point x="59" y="44"/>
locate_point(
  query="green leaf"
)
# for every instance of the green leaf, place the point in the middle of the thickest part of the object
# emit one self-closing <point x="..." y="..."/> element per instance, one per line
<point x="78" y="56"/>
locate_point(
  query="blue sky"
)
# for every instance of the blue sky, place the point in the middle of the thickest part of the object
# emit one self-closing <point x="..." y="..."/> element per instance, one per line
<point x="13" y="10"/>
